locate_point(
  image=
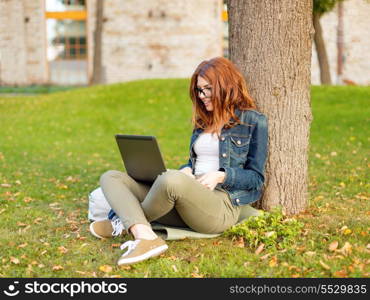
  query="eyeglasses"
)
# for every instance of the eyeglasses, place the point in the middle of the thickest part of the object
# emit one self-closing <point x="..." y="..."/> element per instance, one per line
<point x="205" y="91"/>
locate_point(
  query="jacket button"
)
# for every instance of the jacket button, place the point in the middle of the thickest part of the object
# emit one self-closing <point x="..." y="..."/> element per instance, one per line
<point x="237" y="201"/>
<point x="222" y="138"/>
<point x="238" y="142"/>
<point x="224" y="155"/>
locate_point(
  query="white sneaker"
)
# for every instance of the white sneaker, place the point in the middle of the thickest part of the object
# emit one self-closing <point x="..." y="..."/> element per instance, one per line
<point x="141" y="249"/>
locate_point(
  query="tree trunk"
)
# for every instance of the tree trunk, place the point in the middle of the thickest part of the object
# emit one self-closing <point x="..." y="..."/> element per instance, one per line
<point x="270" y="41"/>
<point x="340" y="44"/>
<point x="97" y="61"/>
<point x="321" y="51"/>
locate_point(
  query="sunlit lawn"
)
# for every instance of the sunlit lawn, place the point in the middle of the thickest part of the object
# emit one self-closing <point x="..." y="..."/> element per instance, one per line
<point x="54" y="147"/>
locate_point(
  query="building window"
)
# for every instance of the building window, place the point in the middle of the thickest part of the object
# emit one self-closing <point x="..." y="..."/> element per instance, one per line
<point x="66" y="41"/>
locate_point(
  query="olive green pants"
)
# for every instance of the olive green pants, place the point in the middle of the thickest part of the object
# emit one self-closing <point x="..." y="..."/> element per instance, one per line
<point x="174" y="199"/>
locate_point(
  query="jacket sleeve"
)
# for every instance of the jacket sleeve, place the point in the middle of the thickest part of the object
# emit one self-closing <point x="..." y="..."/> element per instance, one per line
<point x="252" y="175"/>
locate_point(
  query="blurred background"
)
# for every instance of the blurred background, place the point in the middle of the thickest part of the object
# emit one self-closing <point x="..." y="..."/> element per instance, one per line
<point x="83" y="42"/>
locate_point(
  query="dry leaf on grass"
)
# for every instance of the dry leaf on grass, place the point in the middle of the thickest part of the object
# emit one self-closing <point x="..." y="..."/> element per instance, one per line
<point x="324" y="265"/>
<point x="259" y="249"/>
<point x="239" y="242"/>
<point x="265" y="256"/>
<point x="14" y="260"/>
<point x="341" y="273"/>
<point x="333" y="246"/>
<point x="273" y="262"/>
<point x="174" y="268"/>
<point x="105" y="268"/>
<point x="62" y="249"/>
<point x="57" y="268"/>
<point x="346" y="249"/>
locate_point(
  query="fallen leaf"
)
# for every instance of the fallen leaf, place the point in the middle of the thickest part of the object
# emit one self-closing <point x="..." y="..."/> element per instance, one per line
<point x="125" y="267"/>
<point x="116" y="245"/>
<point x="239" y="242"/>
<point x="196" y="275"/>
<point x="346" y="249"/>
<point x="62" y="249"/>
<point x="57" y="268"/>
<point x="174" y="268"/>
<point x="14" y="260"/>
<point x="20" y="224"/>
<point x="265" y="256"/>
<point x="324" y="265"/>
<point x="27" y="199"/>
<point x="310" y="253"/>
<point x="269" y="234"/>
<point x="259" y="249"/>
<point x="105" y="268"/>
<point x="80" y="272"/>
<point x="37" y="220"/>
<point x="333" y="246"/>
<point x="6" y="185"/>
<point x="273" y="262"/>
<point x="341" y="273"/>
<point x="22" y="245"/>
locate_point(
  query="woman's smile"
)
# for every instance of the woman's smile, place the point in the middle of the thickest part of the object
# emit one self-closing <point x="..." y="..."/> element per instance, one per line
<point x="204" y="93"/>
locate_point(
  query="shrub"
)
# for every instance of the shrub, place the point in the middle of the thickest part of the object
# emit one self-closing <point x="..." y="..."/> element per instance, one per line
<point x="270" y="228"/>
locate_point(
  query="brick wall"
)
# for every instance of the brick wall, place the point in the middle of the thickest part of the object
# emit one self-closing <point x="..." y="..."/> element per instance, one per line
<point x="12" y="43"/>
<point x="22" y="43"/>
<point x="157" y="39"/>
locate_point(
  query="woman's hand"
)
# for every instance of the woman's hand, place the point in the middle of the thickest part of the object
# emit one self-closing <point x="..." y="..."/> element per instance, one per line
<point x="211" y="179"/>
<point x="187" y="171"/>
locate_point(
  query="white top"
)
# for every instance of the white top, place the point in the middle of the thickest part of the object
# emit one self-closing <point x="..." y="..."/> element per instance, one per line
<point x="206" y="149"/>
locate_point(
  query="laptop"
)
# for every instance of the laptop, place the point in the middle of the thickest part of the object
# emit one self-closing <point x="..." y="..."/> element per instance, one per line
<point x="141" y="156"/>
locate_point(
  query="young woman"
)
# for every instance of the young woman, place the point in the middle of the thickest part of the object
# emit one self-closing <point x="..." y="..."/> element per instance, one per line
<point x="228" y="150"/>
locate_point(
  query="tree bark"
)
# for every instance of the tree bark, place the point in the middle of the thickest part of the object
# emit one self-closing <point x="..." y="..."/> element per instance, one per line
<point x="270" y="41"/>
<point x="97" y="60"/>
<point x="321" y="51"/>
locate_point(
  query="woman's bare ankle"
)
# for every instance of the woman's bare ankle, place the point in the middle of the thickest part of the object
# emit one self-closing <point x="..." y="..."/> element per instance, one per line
<point x="142" y="231"/>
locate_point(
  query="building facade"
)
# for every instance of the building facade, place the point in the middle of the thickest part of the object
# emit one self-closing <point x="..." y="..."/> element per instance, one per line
<point x="53" y="41"/>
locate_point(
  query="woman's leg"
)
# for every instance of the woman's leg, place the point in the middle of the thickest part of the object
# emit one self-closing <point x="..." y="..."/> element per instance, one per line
<point x="201" y="209"/>
<point x="124" y="195"/>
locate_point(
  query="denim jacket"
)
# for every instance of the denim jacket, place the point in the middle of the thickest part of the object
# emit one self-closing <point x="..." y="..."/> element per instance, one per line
<point x="242" y="154"/>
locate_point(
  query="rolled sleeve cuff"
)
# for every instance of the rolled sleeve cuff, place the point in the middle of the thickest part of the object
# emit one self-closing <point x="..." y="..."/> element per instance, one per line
<point x="229" y="177"/>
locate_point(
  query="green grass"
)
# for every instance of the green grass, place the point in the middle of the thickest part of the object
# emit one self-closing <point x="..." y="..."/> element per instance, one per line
<point x="54" y="147"/>
<point x="34" y="89"/>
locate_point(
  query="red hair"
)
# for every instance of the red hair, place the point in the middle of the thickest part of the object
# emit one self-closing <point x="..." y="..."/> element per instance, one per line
<point x="229" y="92"/>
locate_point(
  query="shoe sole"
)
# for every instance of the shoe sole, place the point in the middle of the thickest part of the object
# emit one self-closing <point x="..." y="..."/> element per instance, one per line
<point x="152" y="253"/>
